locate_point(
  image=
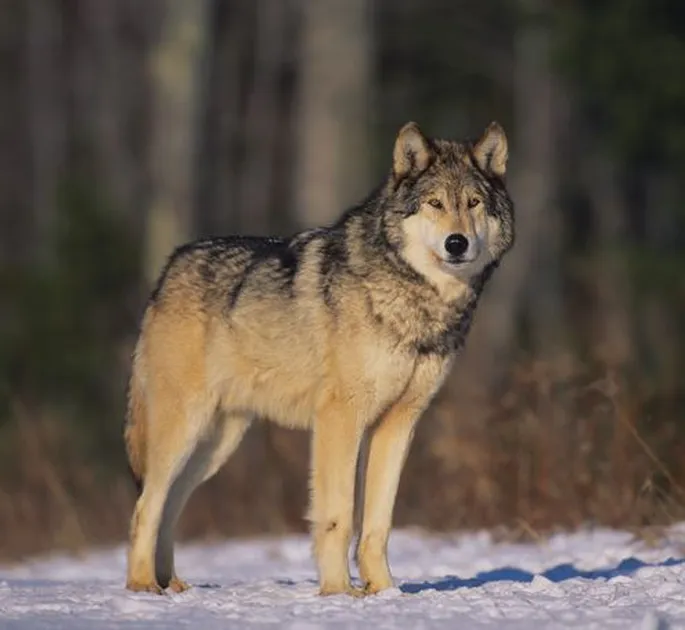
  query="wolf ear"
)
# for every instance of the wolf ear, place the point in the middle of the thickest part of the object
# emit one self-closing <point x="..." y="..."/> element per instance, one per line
<point x="491" y="150"/>
<point x="412" y="154"/>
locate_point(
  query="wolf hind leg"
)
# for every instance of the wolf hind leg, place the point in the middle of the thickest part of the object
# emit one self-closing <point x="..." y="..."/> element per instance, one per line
<point x="230" y="428"/>
<point x="173" y="437"/>
<point x="222" y="438"/>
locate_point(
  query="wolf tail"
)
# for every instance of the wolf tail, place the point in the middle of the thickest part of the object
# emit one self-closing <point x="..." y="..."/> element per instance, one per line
<point x="134" y="429"/>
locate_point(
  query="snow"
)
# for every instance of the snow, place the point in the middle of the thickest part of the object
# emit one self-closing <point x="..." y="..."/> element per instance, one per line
<point x="589" y="579"/>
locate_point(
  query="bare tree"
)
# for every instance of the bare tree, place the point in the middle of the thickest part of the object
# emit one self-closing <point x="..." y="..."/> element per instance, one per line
<point x="613" y="320"/>
<point x="220" y="164"/>
<point x="47" y="113"/>
<point x="262" y="119"/>
<point x="176" y="66"/>
<point x="658" y="317"/>
<point x="107" y="61"/>
<point x="333" y="107"/>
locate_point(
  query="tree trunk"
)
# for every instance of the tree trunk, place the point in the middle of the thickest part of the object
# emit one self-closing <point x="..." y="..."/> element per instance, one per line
<point x="333" y="108"/>
<point x="261" y="124"/>
<point x="104" y="107"/>
<point x="659" y="321"/>
<point x="614" y="333"/>
<point x="220" y="159"/>
<point x="176" y="67"/>
<point x="47" y="115"/>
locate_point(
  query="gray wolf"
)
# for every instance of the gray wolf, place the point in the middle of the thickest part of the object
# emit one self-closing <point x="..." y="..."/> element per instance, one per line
<point x="347" y="330"/>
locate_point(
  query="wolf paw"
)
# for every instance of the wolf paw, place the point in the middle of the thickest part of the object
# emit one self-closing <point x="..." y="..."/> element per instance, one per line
<point x="371" y="588"/>
<point x="350" y="590"/>
<point x="144" y="587"/>
<point x="178" y="586"/>
<point x="354" y="591"/>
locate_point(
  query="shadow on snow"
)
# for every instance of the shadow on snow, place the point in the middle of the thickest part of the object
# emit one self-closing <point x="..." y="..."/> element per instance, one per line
<point x="556" y="574"/>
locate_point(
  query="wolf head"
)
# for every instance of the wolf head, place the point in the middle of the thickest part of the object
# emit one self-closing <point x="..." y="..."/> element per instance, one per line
<point x="448" y="210"/>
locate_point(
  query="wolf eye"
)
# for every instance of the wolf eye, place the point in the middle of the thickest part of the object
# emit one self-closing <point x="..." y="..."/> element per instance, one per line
<point x="472" y="202"/>
<point x="436" y="203"/>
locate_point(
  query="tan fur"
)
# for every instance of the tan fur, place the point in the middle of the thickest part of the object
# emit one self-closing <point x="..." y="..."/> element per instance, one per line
<point x="134" y="431"/>
<point x="323" y="332"/>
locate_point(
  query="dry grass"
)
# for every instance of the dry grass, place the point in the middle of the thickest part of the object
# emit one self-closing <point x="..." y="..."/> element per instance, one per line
<point x="50" y="497"/>
<point x="560" y="447"/>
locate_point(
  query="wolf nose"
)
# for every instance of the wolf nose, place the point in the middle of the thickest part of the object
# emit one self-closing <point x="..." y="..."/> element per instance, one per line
<point x="456" y="245"/>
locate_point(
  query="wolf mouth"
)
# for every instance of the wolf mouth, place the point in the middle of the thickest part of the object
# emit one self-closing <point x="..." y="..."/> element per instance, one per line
<point x="459" y="262"/>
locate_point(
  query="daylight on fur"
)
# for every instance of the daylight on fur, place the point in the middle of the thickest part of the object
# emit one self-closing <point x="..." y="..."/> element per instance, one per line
<point x="342" y="313"/>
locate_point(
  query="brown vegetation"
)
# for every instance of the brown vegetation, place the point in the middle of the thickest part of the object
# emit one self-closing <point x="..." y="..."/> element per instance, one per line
<point x="561" y="447"/>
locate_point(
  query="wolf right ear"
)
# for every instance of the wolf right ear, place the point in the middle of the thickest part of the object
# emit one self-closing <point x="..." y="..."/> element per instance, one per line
<point x="412" y="154"/>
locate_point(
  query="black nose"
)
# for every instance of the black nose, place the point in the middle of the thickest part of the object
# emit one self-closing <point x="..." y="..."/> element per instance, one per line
<point x="456" y="245"/>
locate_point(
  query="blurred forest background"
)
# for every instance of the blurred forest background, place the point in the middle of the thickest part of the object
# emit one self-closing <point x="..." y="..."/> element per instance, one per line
<point x="129" y="127"/>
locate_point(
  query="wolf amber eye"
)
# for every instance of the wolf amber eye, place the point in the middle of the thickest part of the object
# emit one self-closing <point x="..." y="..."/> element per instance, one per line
<point x="473" y="202"/>
<point x="436" y="203"/>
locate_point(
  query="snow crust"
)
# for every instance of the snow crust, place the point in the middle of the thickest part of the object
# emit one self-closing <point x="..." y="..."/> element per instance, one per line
<point x="588" y="579"/>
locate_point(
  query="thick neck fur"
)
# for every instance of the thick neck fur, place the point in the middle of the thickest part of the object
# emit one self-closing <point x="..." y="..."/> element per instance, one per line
<point x="433" y="317"/>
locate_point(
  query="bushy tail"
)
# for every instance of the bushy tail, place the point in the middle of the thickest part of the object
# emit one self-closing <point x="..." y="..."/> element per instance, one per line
<point x="134" y="431"/>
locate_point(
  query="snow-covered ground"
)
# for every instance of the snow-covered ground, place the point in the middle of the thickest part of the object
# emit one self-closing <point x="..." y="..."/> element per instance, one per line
<point x="593" y="579"/>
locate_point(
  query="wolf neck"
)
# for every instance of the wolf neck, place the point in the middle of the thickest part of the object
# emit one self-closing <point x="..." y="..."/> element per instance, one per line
<point x="405" y="303"/>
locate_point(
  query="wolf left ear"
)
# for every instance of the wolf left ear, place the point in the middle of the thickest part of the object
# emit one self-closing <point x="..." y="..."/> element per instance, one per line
<point x="491" y="151"/>
<point x="412" y="154"/>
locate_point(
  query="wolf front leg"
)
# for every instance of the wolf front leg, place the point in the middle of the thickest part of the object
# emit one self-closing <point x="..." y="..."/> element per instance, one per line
<point x="335" y="446"/>
<point x="388" y="447"/>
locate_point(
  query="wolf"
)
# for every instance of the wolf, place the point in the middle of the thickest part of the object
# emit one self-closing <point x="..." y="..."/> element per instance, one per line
<point x="347" y="330"/>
